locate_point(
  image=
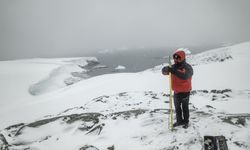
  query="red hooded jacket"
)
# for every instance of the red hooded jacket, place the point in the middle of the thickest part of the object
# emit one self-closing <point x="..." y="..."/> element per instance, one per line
<point x="181" y="74"/>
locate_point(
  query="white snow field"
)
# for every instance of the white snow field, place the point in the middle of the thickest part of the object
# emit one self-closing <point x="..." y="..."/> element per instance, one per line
<point x="124" y="110"/>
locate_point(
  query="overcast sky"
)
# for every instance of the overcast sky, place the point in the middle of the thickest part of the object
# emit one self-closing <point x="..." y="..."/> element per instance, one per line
<point x="59" y="28"/>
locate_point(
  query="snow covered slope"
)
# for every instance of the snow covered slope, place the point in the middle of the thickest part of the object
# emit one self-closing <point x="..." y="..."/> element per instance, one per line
<point x="21" y="79"/>
<point x="130" y="110"/>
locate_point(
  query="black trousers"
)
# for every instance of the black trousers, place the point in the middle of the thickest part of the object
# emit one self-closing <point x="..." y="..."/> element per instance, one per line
<point x="181" y="101"/>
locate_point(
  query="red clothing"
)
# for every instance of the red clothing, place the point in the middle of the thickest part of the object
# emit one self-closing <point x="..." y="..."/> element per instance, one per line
<point x="181" y="85"/>
<point x="181" y="74"/>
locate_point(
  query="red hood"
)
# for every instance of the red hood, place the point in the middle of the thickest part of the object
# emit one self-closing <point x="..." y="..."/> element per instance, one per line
<point x="181" y="54"/>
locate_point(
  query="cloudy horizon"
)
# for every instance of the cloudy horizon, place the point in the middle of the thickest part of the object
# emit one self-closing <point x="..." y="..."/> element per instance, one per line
<point x="61" y="28"/>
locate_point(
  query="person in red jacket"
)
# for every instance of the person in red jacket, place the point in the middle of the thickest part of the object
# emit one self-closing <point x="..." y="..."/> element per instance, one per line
<point x="181" y="77"/>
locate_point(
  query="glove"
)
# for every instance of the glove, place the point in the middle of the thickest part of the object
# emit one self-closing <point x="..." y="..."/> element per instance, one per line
<point x="170" y="69"/>
<point x="166" y="70"/>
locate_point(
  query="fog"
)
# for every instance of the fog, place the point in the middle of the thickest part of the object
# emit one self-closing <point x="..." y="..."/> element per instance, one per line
<point x="69" y="28"/>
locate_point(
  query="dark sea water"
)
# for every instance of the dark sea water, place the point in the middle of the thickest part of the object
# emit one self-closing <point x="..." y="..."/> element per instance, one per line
<point x="133" y="61"/>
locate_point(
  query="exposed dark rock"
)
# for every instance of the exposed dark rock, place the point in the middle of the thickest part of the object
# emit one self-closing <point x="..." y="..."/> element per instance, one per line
<point x="18" y="132"/>
<point x="111" y="147"/>
<point x="221" y="56"/>
<point x="214" y="98"/>
<point x="14" y="126"/>
<point x="85" y="117"/>
<point x="216" y="94"/>
<point x="235" y="120"/>
<point x="67" y="110"/>
<point x="193" y="92"/>
<point x="88" y="147"/>
<point x="14" y="129"/>
<point x="123" y="94"/>
<point x="165" y="111"/>
<point x="240" y="144"/>
<point x="221" y="91"/>
<point x="212" y="91"/>
<point x="167" y="95"/>
<point x="21" y="143"/>
<point x="93" y="119"/>
<point x="204" y="91"/>
<point x="114" y="118"/>
<point x="86" y="127"/>
<point x="148" y="93"/>
<point x="198" y="91"/>
<point x="171" y="148"/>
<point x="241" y="121"/>
<point x="155" y="97"/>
<point x="100" y="99"/>
<point x="3" y="143"/>
<point x="44" y="139"/>
<point x="226" y="58"/>
<point x="42" y="122"/>
<point x="97" y="129"/>
<point x="128" y="114"/>
<point x="135" y="104"/>
<point x="91" y="64"/>
<point x="208" y="106"/>
<point x="202" y="113"/>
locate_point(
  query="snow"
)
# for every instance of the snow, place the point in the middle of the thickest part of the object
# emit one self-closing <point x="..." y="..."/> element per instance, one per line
<point x="132" y="107"/>
<point x="17" y="76"/>
<point x="21" y="78"/>
<point x="120" y="67"/>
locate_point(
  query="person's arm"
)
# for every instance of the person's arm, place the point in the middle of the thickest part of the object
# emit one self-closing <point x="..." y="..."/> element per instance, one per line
<point x="183" y="75"/>
<point x="165" y="70"/>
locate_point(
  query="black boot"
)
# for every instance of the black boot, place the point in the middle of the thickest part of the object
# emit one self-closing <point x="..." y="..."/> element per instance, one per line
<point x="177" y="124"/>
<point x="185" y="125"/>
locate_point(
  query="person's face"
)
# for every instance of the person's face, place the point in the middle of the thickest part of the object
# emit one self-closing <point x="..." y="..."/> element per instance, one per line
<point x="177" y="58"/>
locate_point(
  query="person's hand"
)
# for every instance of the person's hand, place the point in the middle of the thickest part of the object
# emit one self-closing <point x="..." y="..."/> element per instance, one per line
<point x="170" y="69"/>
<point x="165" y="70"/>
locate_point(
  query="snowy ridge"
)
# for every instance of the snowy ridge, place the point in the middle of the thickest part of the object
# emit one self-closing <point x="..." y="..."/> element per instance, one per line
<point x="220" y="55"/>
<point x="239" y="51"/>
<point x="208" y="57"/>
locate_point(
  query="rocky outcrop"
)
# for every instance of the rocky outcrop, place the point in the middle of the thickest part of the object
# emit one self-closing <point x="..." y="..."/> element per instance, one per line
<point x="3" y="143"/>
